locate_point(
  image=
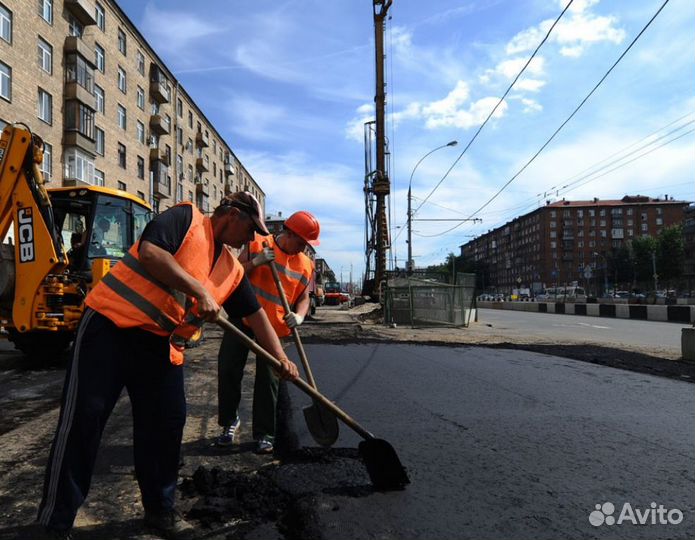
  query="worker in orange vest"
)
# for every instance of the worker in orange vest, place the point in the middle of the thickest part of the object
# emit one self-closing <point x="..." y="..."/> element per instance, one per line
<point x="132" y="335"/>
<point x="286" y="252"/>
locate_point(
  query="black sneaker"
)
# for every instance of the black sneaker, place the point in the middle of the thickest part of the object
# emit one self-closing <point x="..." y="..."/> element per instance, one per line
<point x="169" y="524"/>
<point x="226" y="438"/>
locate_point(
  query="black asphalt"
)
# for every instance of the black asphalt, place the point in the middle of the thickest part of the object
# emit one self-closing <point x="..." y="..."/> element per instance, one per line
<point x="500" y="444"/>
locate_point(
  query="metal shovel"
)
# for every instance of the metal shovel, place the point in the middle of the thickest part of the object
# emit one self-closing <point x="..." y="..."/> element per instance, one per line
<point x="380" y="458"/>
<point x="322" y="424"/>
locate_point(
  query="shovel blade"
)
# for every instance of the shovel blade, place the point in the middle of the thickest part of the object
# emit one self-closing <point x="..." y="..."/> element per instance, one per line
<point x="385" y="469"/>
<point x="322" y="424"/>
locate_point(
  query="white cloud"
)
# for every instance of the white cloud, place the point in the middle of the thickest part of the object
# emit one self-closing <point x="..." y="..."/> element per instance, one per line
<point x="576" y="30"/>
<point x="530" y="85"/>
<point x="531" y="105"/>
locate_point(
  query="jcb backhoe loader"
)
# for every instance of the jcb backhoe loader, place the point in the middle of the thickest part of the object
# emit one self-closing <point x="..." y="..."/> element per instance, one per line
<point x="65" y="240"/>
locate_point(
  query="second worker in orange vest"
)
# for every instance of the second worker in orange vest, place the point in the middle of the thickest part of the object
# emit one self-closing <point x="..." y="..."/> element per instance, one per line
<point x="286" y="252"/>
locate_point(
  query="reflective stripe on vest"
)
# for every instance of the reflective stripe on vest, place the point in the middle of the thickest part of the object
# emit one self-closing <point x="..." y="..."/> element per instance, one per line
<point x="291" y="274"/>
<point x="267" y="296"/>
<point x="140" y="302"/>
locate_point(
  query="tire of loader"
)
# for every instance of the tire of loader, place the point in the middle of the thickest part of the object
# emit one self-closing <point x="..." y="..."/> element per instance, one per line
<point x="44" y="346"/>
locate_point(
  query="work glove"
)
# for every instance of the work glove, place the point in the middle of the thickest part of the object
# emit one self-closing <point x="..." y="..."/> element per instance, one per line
<point x="292" y="319"/>
<point x="264" y="257"/>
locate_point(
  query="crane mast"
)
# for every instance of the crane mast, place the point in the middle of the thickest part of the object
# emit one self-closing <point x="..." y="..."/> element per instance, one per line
<point x="377" y="184"/>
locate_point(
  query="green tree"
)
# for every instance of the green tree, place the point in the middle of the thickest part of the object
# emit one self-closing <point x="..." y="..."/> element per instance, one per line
<point x="670" y="254"/>
<point x="642" y="249"/>
<point x="621" y="265"/>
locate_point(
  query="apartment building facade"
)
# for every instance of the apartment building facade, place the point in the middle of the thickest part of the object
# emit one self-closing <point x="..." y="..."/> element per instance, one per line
<point x="83" y="78"/>
<point x="567" y="241"/>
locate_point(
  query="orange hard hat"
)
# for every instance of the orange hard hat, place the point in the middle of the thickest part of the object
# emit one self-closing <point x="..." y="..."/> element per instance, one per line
<point x="305" y="225"/>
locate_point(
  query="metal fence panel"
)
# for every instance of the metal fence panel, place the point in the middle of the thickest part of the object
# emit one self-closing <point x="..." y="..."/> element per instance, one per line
<point x="427" y="303"/>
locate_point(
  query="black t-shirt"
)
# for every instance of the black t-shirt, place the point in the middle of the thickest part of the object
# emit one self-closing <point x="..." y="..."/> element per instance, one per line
<point x="168" y="230"/>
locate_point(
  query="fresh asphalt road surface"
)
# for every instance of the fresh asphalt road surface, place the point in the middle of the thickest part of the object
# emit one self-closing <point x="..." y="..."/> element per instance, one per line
<point x="557" y="327"/>
<point x="504" y="444"/>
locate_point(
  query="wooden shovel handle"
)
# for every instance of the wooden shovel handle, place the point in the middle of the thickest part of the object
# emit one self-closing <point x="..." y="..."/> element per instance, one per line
<point x="303" y="386"/>
<point x="295" y="331"/>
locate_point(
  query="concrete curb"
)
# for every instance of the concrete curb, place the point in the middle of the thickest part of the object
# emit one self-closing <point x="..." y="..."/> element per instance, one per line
<point x="674" y="313"/>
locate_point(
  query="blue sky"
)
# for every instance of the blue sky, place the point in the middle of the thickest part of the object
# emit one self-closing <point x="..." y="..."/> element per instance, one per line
<point x="289" y="85"/>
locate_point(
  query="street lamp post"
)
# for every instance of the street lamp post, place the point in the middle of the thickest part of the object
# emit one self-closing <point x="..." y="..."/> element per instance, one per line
<point x="605" y="271"/>
<point x="409" y="263"/>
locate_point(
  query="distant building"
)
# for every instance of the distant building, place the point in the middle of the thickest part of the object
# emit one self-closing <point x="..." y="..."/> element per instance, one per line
<point x="556" y="244"/>
<point x="81" y="75"/>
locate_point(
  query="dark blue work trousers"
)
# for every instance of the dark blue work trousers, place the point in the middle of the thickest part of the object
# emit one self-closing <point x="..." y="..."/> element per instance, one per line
<point x="105" y="360"/>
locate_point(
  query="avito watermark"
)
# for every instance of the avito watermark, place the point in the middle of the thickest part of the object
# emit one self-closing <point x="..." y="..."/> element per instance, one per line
<point x="654" y="515"/>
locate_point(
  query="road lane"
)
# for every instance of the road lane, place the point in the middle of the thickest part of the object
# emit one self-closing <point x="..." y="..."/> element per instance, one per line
<point x="577" y="328"/>
<point x="507" y="444"/>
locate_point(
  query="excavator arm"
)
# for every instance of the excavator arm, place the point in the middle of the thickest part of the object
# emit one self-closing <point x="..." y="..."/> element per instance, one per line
<point x="38" y="249"/>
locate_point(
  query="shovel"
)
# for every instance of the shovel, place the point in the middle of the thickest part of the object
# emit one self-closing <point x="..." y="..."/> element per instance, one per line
<point x="322" y="424"/>
<point x="383" y="466"/>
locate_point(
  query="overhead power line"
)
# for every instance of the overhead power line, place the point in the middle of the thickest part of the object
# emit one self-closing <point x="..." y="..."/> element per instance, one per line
<point x="495" y="107"/>
<point x="581" y="104"/>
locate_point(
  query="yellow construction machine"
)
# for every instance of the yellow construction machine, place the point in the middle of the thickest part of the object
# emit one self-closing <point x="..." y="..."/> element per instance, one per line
<point x="58" y="243"/>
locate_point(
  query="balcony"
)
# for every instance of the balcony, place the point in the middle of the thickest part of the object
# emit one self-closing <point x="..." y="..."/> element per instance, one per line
<point x="83" y="10"/>
<point x="202" y="140"/>
<point x="202" y="187"/>
<point x="158" y="125"/>
<point x="83" y="46"/>
<point x="160" y="91"/>
<point x="158" y="154"/>
<point x="75" y="91"/>
<point x="161" y="186"/>
<point x="201" y="165"/>
<point x="228" y="168"/>
<point x="73" y="137"/>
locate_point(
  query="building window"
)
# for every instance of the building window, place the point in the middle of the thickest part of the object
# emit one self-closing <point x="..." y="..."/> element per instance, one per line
<point x="179" y="136"/>
<point x="122" y="118"/>
<point x="644" y="216"/>
<point x="46" y="10"/>
<point x="121" y="155"/>
<point x="553" y="234"/>
<point x="179" y="108"/>
<point x="45" y="106"/>
<point x="190" y="196"/>
<point x="80" y="118"/>
<point x="122" y="41"/>
<point x="141" y="98"/>
<point x="602" y="212"/>
<point x="189" y="145"/>
<point x="5" y="24"/>
<point x="660" y="211"/>
<point x="602" y="222"/>
<point x="47" y="164"/>
<point x="190" y="119"/>
<point x="98" y="178"/>
<point x="141" y="62"/>
<point x="99" y="58"/>
<point x="122" y="84"/>
<point x="99" y="98"/>
<point x="122" y="186"/>
<point x="659" y="221"/>
<point x="99" y="137"/>
<point x="78" y="70"/>
<point x="140" y="129"/>
<point x="100" y="17"/>
<point x="603" y="233"/>
<point x="5" y="82"/>
<point x="179" y="192"/>
<point x="141" y="195"/>
<point x="79" y="166"/>
<point x="45" y="56"/>
<point x="167" y="122"/>
<point x="75" y="27"/>
<point x="141" y="168"/>
<point x="592" y="213"/>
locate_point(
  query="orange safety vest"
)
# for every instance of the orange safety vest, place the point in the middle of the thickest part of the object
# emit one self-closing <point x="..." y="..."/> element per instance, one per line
<point x="295" y="273"/>
<point x="131" y="297"/>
